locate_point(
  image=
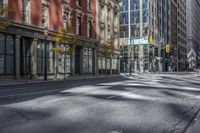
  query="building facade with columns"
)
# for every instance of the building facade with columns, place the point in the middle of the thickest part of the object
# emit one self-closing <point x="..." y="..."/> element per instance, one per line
<point x="22" y="45"/>
<point x="108" y="29"/>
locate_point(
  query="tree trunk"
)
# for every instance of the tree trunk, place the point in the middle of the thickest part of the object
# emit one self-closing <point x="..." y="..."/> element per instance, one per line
<point x="106" y="66"/>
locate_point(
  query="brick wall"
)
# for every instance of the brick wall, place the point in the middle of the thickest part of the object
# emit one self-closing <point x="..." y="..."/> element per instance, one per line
<point x="93" y="12"/>
<point x="55" y="14"/>
<point x="16" y="6"/>
<point x="36" y="15"/>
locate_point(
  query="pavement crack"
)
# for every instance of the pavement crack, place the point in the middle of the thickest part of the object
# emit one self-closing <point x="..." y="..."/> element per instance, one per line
<point x="183" y="130"/>
<point x="191" y="121"/>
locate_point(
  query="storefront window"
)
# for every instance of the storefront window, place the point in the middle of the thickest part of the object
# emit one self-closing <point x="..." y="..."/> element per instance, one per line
<point x="64" y="60"/>
<point x="103" y="63"/>
<point x="88" y="60"/>
<point x="108" y="64"/>
<point x="41" y="58"/>
<point x="67" y="64"/>
<point x="7" y="54"/>
<point x="114" y="64"/>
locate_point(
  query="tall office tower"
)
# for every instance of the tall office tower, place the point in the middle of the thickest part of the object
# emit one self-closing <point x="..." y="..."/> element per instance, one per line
<point x="180" y="48"/>
<point x="165" y="26"/>
<point x="172" y="31"/>
<point x="193" y="32"/>
<point x="138" y="20"/>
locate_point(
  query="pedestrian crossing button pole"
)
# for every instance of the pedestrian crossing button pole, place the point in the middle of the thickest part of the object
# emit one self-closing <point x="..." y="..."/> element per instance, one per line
<point x="45" y="54"/>
<point x="168" y="55"/>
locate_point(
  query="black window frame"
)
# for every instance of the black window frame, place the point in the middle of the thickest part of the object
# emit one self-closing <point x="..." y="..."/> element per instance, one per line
<point x="88" y="57"/>
<point x="42" y="58"/>
<point x="5" y="54"/>
<point x="90" y="28"/>
<point x="79" y="24"/>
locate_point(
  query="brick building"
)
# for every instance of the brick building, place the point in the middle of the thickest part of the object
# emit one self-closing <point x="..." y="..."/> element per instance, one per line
<point x="22" y="45"/>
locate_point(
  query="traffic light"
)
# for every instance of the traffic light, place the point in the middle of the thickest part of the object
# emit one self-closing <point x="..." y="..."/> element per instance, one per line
<point x="122" y="45"/>
<point x="150" y="39"/>
<point x="168" y="48"/>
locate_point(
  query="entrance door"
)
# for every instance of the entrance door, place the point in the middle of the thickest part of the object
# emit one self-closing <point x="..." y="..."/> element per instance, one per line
<point x="77" y="60"/>
<point x="25" y="57"/>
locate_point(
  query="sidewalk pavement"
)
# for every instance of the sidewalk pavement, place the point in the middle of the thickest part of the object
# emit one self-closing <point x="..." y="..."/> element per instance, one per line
<point x="5" y="83"/>
<point x="195" y="127"/>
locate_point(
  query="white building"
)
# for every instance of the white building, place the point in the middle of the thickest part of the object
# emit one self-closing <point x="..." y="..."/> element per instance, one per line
<point x="107" y="12"/>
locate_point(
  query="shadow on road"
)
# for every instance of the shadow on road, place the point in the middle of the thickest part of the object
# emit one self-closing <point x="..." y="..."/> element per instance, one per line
<point x="127" y="94"/>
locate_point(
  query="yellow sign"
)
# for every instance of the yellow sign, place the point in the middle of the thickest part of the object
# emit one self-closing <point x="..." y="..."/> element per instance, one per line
<point x="167" y="48"/>
<point x="150" y="39"/>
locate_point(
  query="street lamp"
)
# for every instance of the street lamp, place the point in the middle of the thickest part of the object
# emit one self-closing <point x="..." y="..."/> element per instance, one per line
<point x="45" y="54"/>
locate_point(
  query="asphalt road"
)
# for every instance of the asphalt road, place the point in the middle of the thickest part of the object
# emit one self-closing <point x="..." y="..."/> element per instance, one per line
<point x="149" y="103"/>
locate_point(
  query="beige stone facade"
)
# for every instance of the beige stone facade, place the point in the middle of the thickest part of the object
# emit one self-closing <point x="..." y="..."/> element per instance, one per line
<point x="108" y="28"/>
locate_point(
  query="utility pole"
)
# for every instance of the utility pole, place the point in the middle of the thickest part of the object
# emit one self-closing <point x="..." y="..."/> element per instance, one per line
<point x="141" y="60"/>
<point x="45" y="54"/>
<point x="129" y="33"/>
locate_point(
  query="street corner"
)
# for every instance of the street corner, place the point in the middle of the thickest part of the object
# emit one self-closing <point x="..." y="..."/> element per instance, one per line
<point x="7" y="98"/>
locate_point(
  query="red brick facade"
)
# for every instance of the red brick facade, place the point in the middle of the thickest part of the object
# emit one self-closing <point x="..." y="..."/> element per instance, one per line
<point x="55" y="14"/>
<point x="29" y="20"/>
<point x="36" y="16"/>
<point x="15" y="5"/>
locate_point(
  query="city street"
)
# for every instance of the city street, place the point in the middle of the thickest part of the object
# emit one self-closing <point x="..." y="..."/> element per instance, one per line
<point x="148" y="103"/>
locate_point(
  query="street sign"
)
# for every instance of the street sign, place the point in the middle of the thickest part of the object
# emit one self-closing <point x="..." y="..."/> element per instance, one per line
<point x="140" y="41"/>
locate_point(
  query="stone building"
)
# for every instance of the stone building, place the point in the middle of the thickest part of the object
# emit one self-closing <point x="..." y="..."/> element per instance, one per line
<point x="166" y="22"/>
<point x="172" y="31"/>
<point x="177" y="37"/>
<point x="108" y="29"/>
<point x="193" y="32"/>
<point x="22" y="45"/>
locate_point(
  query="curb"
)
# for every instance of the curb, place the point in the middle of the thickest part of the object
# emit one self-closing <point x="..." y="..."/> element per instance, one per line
<point x="4" y="98"/>
<point x="62" y="80"/>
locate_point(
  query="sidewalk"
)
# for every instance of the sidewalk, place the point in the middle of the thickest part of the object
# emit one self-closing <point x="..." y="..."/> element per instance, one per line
<point x="5" y="83"/>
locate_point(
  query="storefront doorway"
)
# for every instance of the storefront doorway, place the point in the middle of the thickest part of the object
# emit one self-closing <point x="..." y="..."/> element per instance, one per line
<point x="25" y="48"/>
<point x="77" y="60"/>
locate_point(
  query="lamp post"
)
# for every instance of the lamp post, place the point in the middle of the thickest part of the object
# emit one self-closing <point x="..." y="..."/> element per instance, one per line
<point x="45" y="54"/>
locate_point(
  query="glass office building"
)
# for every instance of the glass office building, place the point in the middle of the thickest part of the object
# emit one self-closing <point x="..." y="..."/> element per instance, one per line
<point x="134" y="18"/>
<point x="141" y="23"/>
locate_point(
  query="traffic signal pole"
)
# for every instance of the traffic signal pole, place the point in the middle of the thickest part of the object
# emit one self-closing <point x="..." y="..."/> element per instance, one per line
<point x="129" y="33"/>
<point x="168" y="62"/>
<point x="167" y="47"/>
